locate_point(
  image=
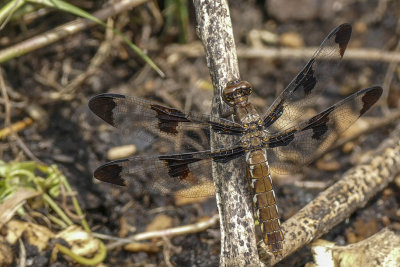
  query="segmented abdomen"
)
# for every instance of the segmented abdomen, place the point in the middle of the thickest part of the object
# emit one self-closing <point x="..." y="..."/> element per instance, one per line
<point x="265" y="208"/>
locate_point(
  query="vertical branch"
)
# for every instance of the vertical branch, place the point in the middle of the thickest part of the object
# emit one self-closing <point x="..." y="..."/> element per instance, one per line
<point x="238" y="243"/>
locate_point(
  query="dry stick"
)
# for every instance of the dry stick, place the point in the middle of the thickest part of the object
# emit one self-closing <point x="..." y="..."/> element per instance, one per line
<point x="238" y="243"/>
<point x="351" y="54"/>
<point x="388" y="81"/>
<point x="180" y="230"/>
<point x="367" y="54"/>
<point x="7" y="106"/>
<point x="15" y="127"/>
<point x="339" y="201"/>
<point x="65" y="30"/>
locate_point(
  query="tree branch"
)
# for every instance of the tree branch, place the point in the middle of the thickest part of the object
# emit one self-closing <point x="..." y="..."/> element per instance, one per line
<point x="238" y="243"/>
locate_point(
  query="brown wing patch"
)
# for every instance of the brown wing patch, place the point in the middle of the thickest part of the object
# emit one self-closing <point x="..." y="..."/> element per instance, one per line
<point x="306" y="80"/>
<point x="168" y="118"/>
<point x="342" y="38"/>
<point x="178" y="164"/>
<point x="370" y="98"/>
<point x="283" y="139"/>
<point x="111" y="173"/>
<point x="103" y="105"/>
<point x="318" y="124"/>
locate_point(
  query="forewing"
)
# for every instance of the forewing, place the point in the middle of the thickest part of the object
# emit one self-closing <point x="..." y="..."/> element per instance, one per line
<point x="311" y="81"/>
<point x="297" y="145"/>
<point x="136" y="116"/>
<point x="167" y="174"/>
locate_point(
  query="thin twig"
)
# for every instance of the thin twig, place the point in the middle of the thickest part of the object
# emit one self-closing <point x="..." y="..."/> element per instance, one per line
<point x="388" y="81"/>
<point x="7" y="107"/>
<point x="368" y="54"/>
<point x="181" y="230"/>
<point x="16" y="127"/>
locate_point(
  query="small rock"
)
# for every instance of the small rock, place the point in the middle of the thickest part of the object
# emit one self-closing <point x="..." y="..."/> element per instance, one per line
<point x="292" y="39"/>
<point x="160" y="222"/>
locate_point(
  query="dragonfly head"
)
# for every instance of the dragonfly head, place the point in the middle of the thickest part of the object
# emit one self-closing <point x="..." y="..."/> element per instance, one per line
<point x="236" y="92"/>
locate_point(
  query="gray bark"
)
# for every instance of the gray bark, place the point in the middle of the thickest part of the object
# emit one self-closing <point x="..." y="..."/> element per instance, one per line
<point x="238" y="243"/>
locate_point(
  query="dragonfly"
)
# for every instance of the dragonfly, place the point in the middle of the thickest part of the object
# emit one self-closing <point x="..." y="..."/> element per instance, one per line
<point x="281" y="135"/>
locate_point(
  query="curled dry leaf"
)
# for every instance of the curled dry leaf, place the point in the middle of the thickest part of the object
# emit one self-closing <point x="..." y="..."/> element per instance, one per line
<point x="82" y="243"/>
<point x="37" y="235"/>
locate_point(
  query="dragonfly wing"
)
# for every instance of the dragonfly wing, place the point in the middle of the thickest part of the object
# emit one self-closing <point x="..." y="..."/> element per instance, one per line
<point x="311" y="81"/>
<point x="298" y="144"/>
<point x="136" y="116"/>
<point x="167" y="173"/>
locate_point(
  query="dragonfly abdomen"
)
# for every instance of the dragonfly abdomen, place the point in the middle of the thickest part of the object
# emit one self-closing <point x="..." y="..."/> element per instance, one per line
<point x="265" y="208"/>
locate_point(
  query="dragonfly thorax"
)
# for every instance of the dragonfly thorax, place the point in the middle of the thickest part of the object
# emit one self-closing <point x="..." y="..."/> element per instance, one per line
<point x="253" y="140"/>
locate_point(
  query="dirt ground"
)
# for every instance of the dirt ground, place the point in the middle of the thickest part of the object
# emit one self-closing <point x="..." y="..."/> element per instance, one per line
<point x="57" y="82"/>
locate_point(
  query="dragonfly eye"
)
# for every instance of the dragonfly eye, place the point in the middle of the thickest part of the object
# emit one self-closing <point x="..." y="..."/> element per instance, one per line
<point x="247" y="91"/>
<point x="229" y="97"/>
<point x="236" y="90"/>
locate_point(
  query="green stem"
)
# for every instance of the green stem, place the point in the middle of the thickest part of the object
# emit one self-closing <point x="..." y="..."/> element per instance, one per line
<point x="57" y="221"/>
<point x="8" y="9"/>
<point x="75" y="202"/>
<point x="183" y="20"/>
<point x="56" y="208"/>
<point x="98" y="258"/>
